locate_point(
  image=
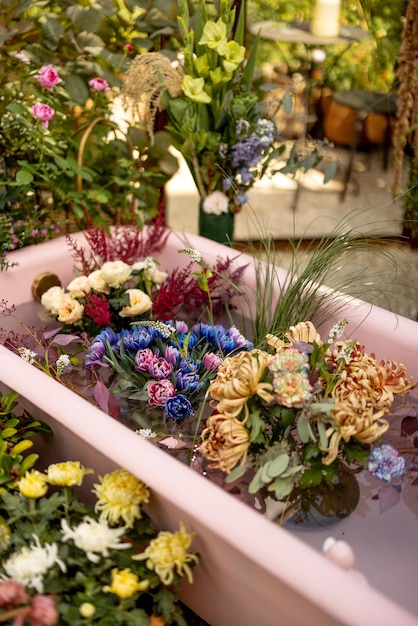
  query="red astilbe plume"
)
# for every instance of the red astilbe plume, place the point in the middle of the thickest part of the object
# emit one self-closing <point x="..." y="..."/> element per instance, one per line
<point x="181" y="291"/>
<point x="121" y="243"/>
<point x="97" y="309"/>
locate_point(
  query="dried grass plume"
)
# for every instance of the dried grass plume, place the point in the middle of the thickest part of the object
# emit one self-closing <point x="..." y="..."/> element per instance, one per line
<point x="149" y="75"/>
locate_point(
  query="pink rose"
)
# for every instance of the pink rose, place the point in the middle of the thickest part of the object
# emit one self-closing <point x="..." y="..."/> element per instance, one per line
<point x="99" y="84"/>
<point x="159" y="391"/>
<point x="48" y="77"/>
<point x="43" y="113"/>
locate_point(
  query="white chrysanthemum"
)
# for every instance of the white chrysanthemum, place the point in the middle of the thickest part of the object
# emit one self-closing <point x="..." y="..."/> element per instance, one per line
<point x="30" y="564"/>
<point x="94" y="537"/>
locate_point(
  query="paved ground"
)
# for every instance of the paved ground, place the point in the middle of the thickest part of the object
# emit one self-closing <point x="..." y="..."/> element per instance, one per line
<point x="389" y="280"/>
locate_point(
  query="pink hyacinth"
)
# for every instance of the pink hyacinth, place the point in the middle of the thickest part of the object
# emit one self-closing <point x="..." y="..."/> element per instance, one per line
<point x="48" y="77"/>
<point x="99" y="84"/>
<point x="43" y="113"/>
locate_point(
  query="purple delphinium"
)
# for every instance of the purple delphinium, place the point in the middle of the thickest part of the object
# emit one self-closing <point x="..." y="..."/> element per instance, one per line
<point x="385" y="463"/>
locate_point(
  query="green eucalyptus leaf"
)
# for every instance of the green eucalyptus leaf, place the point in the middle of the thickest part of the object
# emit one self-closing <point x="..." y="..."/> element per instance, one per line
<point x="282" y="487"/>
<point x="277" y="466"/>
<point x="330" y="172"/>
<point x="256" y="483"/>
<point x="303" y="428"/>
<point x="236" y="473"/>
<point x="287" y="103"/>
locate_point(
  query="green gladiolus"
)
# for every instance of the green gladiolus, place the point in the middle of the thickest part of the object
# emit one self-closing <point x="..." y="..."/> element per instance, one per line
<point x="193" y="88"/>
<point x="214" y="37"/>
<point x="202" y="66"/>
<point x="233" y="57"/>
<point x="219" y="77"/>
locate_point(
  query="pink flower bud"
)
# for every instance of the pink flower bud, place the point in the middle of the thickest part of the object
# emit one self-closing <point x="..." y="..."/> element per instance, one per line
<point x="48" y="77"/>
<point x="43" y="611"/>
<point x="99" y="84"/>
<point x="43" y="113"/>
<point x="129" y="47"/>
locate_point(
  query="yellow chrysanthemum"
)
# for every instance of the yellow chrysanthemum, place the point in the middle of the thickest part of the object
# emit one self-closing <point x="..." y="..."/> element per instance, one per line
<point x="225" y="442"/>
<point x="67" y="473"/>
<point x="167" y="553"/>
<point x="238" y="379"/>
<point x="125" y="583"/>
<point x="33" y="485"/>
<point x="120" y="495"/>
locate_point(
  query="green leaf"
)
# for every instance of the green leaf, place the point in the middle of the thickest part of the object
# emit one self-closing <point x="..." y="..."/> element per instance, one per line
<point x="277" y="466"/>
<point x="21" y="447"/>
<point x="303" y="428"/>
<point x="311" y="477"/>
<point x="323" y="439"/>
<point x="282" y="487"/>
<point x="287" y="102"/>
<point x="23" y="177"/>
<point x="330" y="172"/>
<point x="28" y="462"/>
<point x="250" y="65"/>
<point x="236" y="473"/>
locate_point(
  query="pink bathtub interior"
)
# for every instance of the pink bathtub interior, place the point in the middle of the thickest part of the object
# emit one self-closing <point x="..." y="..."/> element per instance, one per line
<point x="252" y="572"/>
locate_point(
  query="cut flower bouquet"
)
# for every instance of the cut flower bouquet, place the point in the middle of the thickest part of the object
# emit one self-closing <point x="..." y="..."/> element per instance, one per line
<point x="219" y="124"/>
<point x="69" y="562"/>
<point x="292" y="419"/>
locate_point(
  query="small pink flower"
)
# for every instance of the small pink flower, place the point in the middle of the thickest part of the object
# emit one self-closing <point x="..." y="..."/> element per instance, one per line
<point x="43" y="113"/>
<point x="159" y="391"/>
<point x="48" y="77"/>
<point x="129" y="47"/>
<point x="43" y="611"/>
<point x="99" y="84"/>
<point x="12" y="592"/>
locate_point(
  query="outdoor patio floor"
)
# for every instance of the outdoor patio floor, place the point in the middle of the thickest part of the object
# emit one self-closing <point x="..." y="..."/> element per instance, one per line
<point x="390" y="280"/>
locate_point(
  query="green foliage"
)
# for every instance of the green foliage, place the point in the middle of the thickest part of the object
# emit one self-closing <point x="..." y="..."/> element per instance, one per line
<point x="16" y="433"/>
<point x="86" y="167"/>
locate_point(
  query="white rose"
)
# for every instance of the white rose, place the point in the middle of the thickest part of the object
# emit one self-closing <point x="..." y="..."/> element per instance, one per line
<point x="115" y="273"/>
<point x="52" y="297"/>
<point x="139" y="303"/>
<point x="70" y="311"/>
<point x="216" y="203"/>
<point x="97" y="282"/>
<point x="79" y="287"/>
<point x="158" y="277"/>
<point x="151" y="271"/>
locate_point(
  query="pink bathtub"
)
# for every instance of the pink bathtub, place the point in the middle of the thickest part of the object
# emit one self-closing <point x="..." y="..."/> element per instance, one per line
<point x="252" y="572"/>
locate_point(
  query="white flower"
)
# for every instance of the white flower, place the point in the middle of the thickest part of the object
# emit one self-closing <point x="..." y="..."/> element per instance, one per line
<point x="216" y="203"/>
<point x="194" y="254"/>
<point x="146" y="433"/>
<point x="70" y="310"/>
<point x="115" y="273"/>
<point x="30" y="564"/>
<point x="22" y="56"/>
<point x="62" y="362"/>
<point x="139" y="303"/>
<point x="97" y="282"/>
<point x="94" y="537"/>
<point x="318" y="55"/>
<point x="151" y="270"/>
<point x="79" y="287"/>
<point x="27" y="355"/>
<point x="52" y="299"/>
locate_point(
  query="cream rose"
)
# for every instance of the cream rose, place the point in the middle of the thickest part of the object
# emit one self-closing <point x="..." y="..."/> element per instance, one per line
<point x="79" y="287"/>
<point x="53" y="298"/>
<point x="139" y="303"/>
<point x="97" y="282"/>
<point x="151" y="270"/>
<point x="115" y="273"/>
<point x="70" y="311"/>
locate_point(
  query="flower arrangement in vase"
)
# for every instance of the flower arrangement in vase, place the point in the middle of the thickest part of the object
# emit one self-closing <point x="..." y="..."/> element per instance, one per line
<point x="226" y="134"/>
